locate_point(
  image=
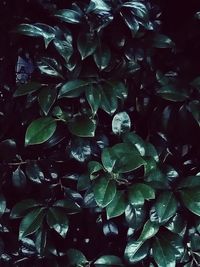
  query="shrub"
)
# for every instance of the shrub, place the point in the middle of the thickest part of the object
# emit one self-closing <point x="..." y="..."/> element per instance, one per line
<point x="100" y="147"/>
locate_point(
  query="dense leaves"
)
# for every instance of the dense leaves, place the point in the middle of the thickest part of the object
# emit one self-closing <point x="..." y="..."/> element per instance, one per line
<point x="99" y="146"/>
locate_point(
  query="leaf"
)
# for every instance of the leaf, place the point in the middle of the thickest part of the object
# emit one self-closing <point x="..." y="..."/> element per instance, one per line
<point x="137" y="193"/>
<point x="87" y="44"/>
<point x="69" y="205"/>
<point x="163" y="253"/>
<point x="117" y="206"/>
<point x="39" y="131"/>
<point x="31" y="222"/>
<point x="34" y="172"/>
<point x="102" y="56"/>
<point x="172" y="93"/>
<point x="177" y="224"/>
<point x="19" y="179"/>
<point x="93" y="97"/>
<point x="50" y="67"/>
<point x="46" y="99"/>
<point x="194" y="108"/>
<point x="108" y="260"/>
<point x="121" y="123"/>
<point x="27" y="88"/>
<point x="121" y="158"/>
<point x="135" y="216"/>
<point x="58" y="220"/>
<point x="121" y="91"/>
<point x="22" y="207"/>
<point x="98" y="6"/>
<point x="80" y="149"/>
<point x="162" y="41"/>
<point x="136" y="140"/>
<point x="136" y="251"/>
<point x="150" y="229"/>
<point x="104" y="191"/>
<point x="108" y="99"/>
<point x="69" y="15"/>
<point x="190" y="182"/>
<point x="72" y="88"/>
<point x="130" y="21"/>
<point x="191" y="199"/>
<point x="38" y="30"/>
<point x="82" y="126"/>
<point x="94" y="167"/>
<point x="41" y="241"/>
<point x="165" y="206"/>
<point x="76" y="258"/>
<point x="2" y="204"/>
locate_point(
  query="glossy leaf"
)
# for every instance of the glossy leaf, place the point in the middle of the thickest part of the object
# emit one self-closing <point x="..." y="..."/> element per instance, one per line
<point x="68" y="15"/>
<point x="170" y="92"/>
<point x="69" y="205"/>
<point x="82" y="126"/>
<point x="191" y="199"/>
<point x="139" y="192"/>
<point x="34" y="173"/>
<point x="135" y="216"/>
<point x="27" y="88"/>
<point x="72" y="88"/>
<point x="166" y="206"/>
<point x="58" y="220"/>
<point x="149" y="230"/>
<point x="102" y="57"/>
<point x="40" y="131"/>
<point x="86" y="44"/>
<point x="108" y="260"/>
<point x="31" y="222"/>
<point x="136" y="251"/>
<point x="162" y="41"/>
<point x="75" y="257"/>
<point x="50" y="67"/>
<point x="163" y="253"/>
<point x="94" y="167"/>
<point x="22" y="207"/>
<point x="117" y="206"/>
<point x="93" y="97"/>
<point x="104" y="191"/>
<point x="46" y="99"/>
<point x="121" y="123"/>
<point x="121" y="158"/>
<point x="2" y="204"/>
<point x="19" y="179"/>
<point x="108" y="99"/>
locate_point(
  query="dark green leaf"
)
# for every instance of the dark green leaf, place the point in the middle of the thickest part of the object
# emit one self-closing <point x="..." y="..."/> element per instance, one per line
<point x="87" y="44"/>
<point x="58" y="220"/>
<point x="102" y="57"/>
<point x="68" y="15"/>
<point x="50" y="67"/>
<point x="117" y="206"/>
<point x="76" y="258"/>
<point x="46" y="98"/>
<point x="34" y="172"/>
<point x="31" y="222"/>
<point x="137" y="193"/>
<point x="22" y="207"/>
<point x="40" y="131"/>
<point x="163" y="253"/>
<point x="27" y="88"/>
<point x="93" y="96"/>
<point x="136" y="251"/>
<point x="72" y="88"/>
<point x="41" y="240"/>
<point x="121" y="158"/>
<point x="2" y="204"/>
<point x="108" y="260"/>
<point x="104" y="191"/>
<point x="94" y="167"/>
<point x="135" y="216"/>
<point x="166" y="206"/>
<point x="172" y="93"/>
<point x="108" y="99"/>
<point x="82" y="126"/>
<point x="177" y="224"/>
<point x="191" y="199"/>
<point x="194" y="108"/>
<point x="150" y="229"/>
<point x="121" y="123"/>
<point x="19" y="179"/>
<point x="69" y="205"/>
<point x="162" y="41"/>
<point x="190" y="182"/>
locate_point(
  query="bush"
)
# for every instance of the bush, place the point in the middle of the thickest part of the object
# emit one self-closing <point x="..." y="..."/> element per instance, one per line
<point x="99" y="148"/>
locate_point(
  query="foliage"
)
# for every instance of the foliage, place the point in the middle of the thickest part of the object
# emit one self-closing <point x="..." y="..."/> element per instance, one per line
<point x="99" y="151"/>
